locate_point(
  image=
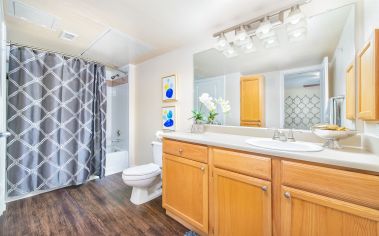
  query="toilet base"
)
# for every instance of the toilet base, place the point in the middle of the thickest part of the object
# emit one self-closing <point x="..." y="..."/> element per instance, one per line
<point x="143" y="195"/>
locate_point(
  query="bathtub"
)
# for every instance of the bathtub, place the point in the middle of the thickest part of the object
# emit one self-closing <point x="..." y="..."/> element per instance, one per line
<point x="116" y="161"/>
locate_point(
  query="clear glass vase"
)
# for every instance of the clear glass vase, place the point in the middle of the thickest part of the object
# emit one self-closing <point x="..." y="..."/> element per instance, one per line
<point x="197" y="128"/>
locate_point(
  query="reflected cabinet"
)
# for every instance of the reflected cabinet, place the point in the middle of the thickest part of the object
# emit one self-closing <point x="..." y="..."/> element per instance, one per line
<point x="252" y="100"/>
<point x="368" y="79"/>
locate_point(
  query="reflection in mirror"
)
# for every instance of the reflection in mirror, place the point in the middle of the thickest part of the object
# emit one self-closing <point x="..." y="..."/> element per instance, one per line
<point x="293" y="85"/>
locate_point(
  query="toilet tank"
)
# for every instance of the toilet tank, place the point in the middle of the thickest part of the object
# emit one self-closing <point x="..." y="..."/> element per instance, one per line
<point x="157" y="153"/>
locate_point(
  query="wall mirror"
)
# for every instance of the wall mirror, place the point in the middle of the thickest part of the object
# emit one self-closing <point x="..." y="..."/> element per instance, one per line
<point x="291" y="85"/>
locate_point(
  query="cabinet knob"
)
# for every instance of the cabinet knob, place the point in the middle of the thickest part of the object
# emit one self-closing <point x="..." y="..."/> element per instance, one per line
<point x="202" y="168"/>
<point x="264" y="188"/>
<point x="180" y="150"/>
<point x="287" y="195"/>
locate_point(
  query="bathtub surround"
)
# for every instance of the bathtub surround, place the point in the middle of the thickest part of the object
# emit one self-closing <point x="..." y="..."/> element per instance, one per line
<point x="56" y="115"/>
<point x="117" y="120"/>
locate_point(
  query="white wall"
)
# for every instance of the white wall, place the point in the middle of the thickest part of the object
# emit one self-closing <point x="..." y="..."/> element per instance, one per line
<point x="132" y="112"/>
<point x="148" y="89"/>
<point x="148" y="100"/>
<point x="232" y="93"/>
<point x="272" y="99"/>
<point x="215" y="87"/>
<point x="343" y="56"/>
<point x="366" y="21"/>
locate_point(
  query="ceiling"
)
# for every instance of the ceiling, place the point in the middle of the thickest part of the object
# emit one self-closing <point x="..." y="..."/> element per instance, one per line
<point x="119" y="32"/>
<point x="324" y="32"/>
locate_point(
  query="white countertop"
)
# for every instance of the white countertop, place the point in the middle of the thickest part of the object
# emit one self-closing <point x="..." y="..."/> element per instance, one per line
<point x="347" y="157"/>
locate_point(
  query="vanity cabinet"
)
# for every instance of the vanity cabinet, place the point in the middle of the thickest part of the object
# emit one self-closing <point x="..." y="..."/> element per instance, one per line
<point x="222" y="192"/>
<point x="305" y="213"/>
<point x="350" y="92"/>
<point x="368" y="79"/>
<point x="240" y="193"/>
<point x="241" y="204"/>
<point x="185" y="184"/>
<point x="319" y="200"/>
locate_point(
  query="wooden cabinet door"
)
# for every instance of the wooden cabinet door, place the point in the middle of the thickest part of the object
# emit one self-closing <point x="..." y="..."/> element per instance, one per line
<point x="368" y="79"/>
<point x="350" y="92"/>
<point x="252" y="98"/>
<point x="305" y="213"/>
<point x="185" y="190"/>
<point x="241" y="204"/>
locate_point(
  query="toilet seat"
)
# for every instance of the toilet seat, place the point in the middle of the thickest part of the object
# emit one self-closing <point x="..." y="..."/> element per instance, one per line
<point x="141" y="172"/>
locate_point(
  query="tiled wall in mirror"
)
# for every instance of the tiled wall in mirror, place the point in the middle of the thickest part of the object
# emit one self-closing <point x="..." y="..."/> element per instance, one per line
<point x="291" y="85"/>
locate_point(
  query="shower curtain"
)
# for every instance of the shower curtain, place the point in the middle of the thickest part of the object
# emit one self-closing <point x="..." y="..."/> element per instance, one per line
<point x="56" y="115"/>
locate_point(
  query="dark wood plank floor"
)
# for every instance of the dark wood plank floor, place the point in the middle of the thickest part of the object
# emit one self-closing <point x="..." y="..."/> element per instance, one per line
<point x="100" y="207"/>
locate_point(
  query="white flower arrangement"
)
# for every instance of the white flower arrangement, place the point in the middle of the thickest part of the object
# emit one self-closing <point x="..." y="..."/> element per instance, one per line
<point x="207" y="101"/>
<point x="225" y="107"/>
<point x="211" y="104"/>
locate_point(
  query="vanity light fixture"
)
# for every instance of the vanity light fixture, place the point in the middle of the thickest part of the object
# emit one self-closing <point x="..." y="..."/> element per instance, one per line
<point x="222" y="43"/>
<point x="264" y="29"/>
<point x="249" y="46"/>
<point x="295" y="15"/>
<point x="241" y="36"/>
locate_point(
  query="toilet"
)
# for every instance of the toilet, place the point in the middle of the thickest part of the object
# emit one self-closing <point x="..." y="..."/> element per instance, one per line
<point x="145" y="179"/>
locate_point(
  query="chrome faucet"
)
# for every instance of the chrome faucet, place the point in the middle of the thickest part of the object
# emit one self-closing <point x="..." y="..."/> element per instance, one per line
<point x="291" y="137"/>
<point x="276" y="134"/>
<point x="281" y="136"/>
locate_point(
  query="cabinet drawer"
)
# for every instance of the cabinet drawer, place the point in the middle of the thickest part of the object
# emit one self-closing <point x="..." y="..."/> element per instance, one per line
<point x="243" y="163"/>
<point x="355" y="187"/>
<point x="187" y="150"/>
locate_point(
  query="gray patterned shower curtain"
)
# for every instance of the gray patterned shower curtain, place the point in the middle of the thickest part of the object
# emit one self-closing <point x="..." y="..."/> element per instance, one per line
<point x="56" y="115"/>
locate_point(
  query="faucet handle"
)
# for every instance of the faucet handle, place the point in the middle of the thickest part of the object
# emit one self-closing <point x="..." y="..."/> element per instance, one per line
<point x="291" y="137"/>
<point x="276" y="134"/>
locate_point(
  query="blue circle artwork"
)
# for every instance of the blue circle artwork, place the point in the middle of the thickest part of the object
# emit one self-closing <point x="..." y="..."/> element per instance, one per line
<point x="169" y="93"/>
<point x="169" y="114"/>
<point x="169" y="123"/>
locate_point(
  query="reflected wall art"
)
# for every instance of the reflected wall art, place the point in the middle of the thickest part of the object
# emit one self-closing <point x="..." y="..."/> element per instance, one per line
<point x="169" y="88"/>
<point x="169" y="118"/>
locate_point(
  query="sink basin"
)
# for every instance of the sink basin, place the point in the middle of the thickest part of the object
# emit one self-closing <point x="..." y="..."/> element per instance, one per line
<point x="297" y="146"/>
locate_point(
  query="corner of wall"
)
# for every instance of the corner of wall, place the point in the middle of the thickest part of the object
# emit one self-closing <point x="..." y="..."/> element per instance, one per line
<point x="132" y="114"/>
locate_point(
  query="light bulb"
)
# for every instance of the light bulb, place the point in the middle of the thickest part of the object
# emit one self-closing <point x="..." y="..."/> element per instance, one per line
<point x="249" y="46"/>
<point x="222" y="43"/>
<point x="295" y="15"/>
<point x="264" y="28"/>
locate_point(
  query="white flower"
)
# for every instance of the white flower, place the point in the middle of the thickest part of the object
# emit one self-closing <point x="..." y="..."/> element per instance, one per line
<point x="225" y="107"/>
<point x="207" y="101"/>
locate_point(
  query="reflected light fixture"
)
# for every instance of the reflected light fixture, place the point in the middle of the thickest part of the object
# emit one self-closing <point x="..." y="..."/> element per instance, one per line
<point x="230" y="52"/>
<point x="270" y="42"/>
<point x="297" y="32"/>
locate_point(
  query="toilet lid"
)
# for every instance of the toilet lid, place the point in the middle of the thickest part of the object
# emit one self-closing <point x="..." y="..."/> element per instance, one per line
<point x="141" y="170"/>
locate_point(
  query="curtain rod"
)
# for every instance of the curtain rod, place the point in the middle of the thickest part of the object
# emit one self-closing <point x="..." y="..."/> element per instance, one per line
<point x="63" y="54"/>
